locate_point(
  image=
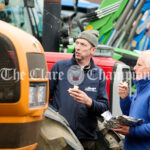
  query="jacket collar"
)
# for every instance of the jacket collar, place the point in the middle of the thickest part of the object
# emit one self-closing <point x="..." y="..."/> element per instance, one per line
<point x="140" y="84"/>
<point x="86" y="68"/>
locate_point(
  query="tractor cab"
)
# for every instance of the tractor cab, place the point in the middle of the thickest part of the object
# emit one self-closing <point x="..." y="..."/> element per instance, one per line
<point x="23" y="88"/>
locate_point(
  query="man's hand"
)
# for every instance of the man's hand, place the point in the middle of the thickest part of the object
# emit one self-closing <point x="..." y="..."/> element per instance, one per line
<point x="123" y="90"/>
<point x="122" y="129"/>
<point x="80" y="97"/>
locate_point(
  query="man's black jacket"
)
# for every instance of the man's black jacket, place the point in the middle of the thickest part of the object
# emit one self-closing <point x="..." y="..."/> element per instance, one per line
<point x="82" y="120"/>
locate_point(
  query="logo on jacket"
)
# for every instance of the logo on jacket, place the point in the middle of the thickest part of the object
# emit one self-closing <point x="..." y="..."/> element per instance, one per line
<point x="75" y="75"/>
<point x="90" y="89"/>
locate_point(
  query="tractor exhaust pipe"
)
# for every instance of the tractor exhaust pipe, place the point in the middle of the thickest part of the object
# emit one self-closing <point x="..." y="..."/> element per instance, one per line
<point x="51" y="25"/>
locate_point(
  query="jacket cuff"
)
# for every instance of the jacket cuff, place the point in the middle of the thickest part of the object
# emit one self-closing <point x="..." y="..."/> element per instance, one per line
<point x="92" y="106"/>
<point x="125" y="98"/>
<point x="131" y="131"/>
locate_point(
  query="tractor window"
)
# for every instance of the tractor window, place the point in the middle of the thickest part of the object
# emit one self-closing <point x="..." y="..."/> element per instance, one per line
<point x="25" y="14"/>
<point x="9" y="72"/>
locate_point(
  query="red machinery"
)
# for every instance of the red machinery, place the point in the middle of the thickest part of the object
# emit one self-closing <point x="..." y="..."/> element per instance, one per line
<point x="115" y="72"/>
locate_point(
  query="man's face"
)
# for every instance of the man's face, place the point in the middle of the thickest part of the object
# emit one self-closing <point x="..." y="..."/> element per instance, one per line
<point x="83" y="49"/>
<point x="141" y="69"/>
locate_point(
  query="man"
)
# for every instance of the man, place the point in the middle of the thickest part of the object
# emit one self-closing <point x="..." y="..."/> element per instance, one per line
<point x="80" y="106"/>
<point x="137" y="106"/>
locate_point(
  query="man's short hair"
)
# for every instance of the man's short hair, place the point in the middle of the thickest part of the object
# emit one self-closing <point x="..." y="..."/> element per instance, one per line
<point x="91" y="36"/>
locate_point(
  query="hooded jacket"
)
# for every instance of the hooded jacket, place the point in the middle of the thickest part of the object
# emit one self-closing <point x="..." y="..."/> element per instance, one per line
<point x="138" y="106"/>
<point x="82" y="120"/>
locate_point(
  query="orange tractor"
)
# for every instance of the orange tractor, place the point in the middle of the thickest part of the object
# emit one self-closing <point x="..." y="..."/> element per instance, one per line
<point x="23" y="88"/>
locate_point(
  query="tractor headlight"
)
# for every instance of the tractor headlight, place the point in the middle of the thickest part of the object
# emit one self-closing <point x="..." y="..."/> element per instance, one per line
<point x="37" y="94"/>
